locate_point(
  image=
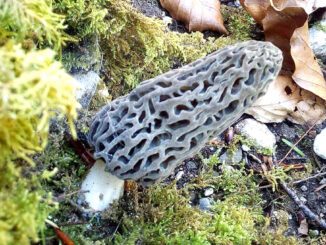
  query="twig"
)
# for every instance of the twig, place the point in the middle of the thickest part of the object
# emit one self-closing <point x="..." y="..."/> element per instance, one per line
<point x="309" y="178"/>
<point x="265" y="186"/>
<point x="51" y="223"/>
<point x="116" y="229"/>
<point x="254" y="158"/>
<point x="311" y="215"/>
<point x="320" y="187"/>
<point x="317" y="161"/>
<point x="296" y="143"/>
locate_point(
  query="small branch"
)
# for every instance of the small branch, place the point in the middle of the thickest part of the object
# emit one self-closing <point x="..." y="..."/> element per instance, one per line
<point x="296" y="143"/>
<point x="320" y="187"/>
<point x="309" y="178"/>
<point x="311" y="215"/>
<point x="265" y="186"/>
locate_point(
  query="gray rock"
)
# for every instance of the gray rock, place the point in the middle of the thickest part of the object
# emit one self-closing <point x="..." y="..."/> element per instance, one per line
<point x="317" y="37"/>
<point x="245" y="148"/>
<point x="323" y="181"/>
<point x="256" y="132"/>
<point x="179" y="175"/>
<point x="209" y="192"/>
<point x="304" y="188"/>
<point x="205" y="204"/>
<point x="87" y="86"/>
<point x="320" y="145"/>
<point x="191" y="165"/>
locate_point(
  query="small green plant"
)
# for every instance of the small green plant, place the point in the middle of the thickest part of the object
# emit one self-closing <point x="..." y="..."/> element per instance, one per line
<point x="296" y="149"/>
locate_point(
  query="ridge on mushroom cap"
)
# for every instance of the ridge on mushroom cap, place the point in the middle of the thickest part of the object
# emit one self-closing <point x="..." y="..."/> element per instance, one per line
<point x="146" y="134"/>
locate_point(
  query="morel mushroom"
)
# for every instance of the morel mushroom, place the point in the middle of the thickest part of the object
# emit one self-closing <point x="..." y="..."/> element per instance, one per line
<point x="146" y="134"/>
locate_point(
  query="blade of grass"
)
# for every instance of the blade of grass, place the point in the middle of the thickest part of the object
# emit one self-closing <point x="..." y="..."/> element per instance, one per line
<point x="296" y="149"/>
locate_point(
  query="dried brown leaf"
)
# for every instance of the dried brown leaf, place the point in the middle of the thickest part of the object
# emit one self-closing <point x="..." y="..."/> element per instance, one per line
<point x="309" y="110"/>
<point x="285" y="25"/>
<point x="198" y="15"/>
<point x="285" y="100"/>
<point x="303" y="228"/>
<point x="307" y="74"/>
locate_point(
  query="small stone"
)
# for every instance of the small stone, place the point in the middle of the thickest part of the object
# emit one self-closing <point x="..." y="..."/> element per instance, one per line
<point x="319" y="144"/>
<point x="204" y="203"/>
<point x="167" y="20"/>
<point x="304" y="188"/>
<point x="179" y="175"/>
<point x="323" y="181"/>
<point x="209" y="192"/>
<point x="256" y="132"/>
<point x="317" y="37"/>
<point x="228" y="168"/>
<point x="304" y="200"/>
<point x="245" y="148"/>
<point x="87" y="83"/>
<point x="191" y="165"/>
<point x="313" y="233"/>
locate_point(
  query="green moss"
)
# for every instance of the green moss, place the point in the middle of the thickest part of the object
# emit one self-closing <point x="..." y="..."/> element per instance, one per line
<point x="136" y="47"/>
<point x="238" y="22"/>
<point x="31" y="20"/>
<point x="251" y="144"/>
<point x="34" y="89"/>
<point x="165" y="216"/>
<point x="321" y="26"/>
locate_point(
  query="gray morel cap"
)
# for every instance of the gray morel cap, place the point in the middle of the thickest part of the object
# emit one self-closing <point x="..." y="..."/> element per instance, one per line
<point x="146" y="134"/>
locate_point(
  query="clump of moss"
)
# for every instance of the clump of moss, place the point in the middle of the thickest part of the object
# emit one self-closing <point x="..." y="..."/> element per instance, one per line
<point x="165" y="216"/>
<point x="31" y="22"/>
<point x="137" y="47"/>
<point x="238" y="22"/>
<point x="34" y="88"/>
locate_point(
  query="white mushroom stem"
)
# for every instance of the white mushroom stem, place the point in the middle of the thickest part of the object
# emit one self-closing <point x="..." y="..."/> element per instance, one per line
<point x="101" y="188"/>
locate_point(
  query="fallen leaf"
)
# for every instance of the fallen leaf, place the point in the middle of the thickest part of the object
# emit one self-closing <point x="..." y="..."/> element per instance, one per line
<point x="303" y="228"/>
<point x="198" y="15"/>
<point x="280" y="100"/>
<point x="286" y="100"/>
<point x="309" y="110"/>
<point x="307" y="74"/>
<point x="285" y="25"/>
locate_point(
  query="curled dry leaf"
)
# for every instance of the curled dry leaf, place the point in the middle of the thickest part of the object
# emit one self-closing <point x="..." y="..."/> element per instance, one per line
<point x="310" y="109"/>
<point x="198" y="15"/>
<point x="285" y="99"/>
<point x="307" y="74"/>
<point x="285" y="25"/>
